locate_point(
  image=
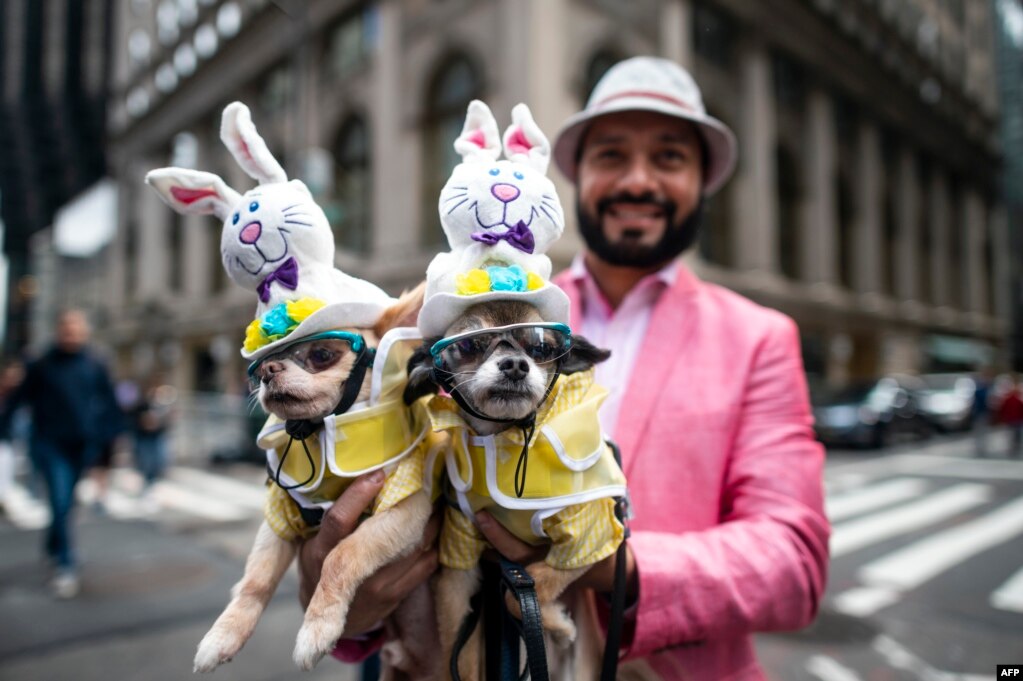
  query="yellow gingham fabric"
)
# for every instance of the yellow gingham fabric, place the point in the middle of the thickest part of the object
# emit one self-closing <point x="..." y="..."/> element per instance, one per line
<point x="581" y="534"/>
<point x="403" y="480"/>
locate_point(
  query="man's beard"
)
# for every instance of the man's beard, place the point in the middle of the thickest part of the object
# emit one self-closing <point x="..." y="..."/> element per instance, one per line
<point x="678" y="235"/>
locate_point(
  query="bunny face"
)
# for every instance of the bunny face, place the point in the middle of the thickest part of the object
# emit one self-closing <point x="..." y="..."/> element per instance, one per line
<point x="483" y="200"/>
<point x="269" y="224"/>
<point x="488" y="201"/>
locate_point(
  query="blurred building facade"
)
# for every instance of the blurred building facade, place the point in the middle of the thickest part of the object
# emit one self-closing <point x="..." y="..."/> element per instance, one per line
<point x="866" y="202"/>
<point x="55" y="62"/>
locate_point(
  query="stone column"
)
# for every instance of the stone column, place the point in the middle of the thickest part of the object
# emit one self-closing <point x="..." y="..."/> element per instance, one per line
<point x="938" y="197"/>
<point x="756" y="183"/>
<point x="867" y="265"/>
<point x="998" y="223"/>
<point x="152" y="244"/>
<point x="820" y="214"/>
<point x="394" y="227"/>
<point x="676" y="28"/>
<point x="974" y="268"/>
<point x="907" y="215"/>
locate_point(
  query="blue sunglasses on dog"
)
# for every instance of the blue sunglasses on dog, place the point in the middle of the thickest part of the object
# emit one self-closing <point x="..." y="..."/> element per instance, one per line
<point x="541" y="342"/>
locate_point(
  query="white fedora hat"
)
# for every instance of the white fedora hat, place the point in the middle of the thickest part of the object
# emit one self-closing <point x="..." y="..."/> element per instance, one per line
<point x="650" y="84"/>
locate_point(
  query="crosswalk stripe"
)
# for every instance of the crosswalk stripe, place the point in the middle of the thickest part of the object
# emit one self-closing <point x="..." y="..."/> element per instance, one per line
<point x="856" y="534"/>
<point x="1009" y="596"/>
<point x="181" y="498"/>
<point x="871" y="498"/>
<point x="829" y="669"/>
<point x="864" y="601"/>
<point x="915" y="564"/>
<point x="220" y="487"/>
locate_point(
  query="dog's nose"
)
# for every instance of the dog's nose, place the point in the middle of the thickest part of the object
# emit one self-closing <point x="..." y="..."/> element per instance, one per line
<point x="268" y="369"/>
<point x="514" y="369"/>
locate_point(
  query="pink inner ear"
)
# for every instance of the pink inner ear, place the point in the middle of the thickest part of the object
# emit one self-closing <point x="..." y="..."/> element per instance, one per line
<point x="477" y="138"/>
<point x="245" y="147"/>
<point x="517" y="142"/>
<point x="190" y="196"/>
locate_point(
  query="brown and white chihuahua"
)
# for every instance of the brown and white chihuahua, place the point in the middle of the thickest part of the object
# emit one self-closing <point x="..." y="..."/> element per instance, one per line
<point x="506" y="384"/>
<point x="289" y="392"/>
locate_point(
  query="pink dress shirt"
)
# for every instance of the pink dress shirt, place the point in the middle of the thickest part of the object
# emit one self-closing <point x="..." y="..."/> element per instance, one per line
<point x="729" y="531"/>
<point x="620" y="330"/>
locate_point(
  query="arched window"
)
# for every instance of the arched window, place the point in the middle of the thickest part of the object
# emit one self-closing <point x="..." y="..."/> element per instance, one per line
<point x="596" y="67"/>
<point x="453" y="86"/>
<point x="349" y="212"/>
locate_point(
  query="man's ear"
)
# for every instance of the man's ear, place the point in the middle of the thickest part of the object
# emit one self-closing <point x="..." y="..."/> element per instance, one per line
<point x="420" y="374"/>
<point x="582" y="356"/>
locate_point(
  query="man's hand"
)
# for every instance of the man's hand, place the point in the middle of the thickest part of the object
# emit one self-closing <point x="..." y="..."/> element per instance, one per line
<point x="378" y="596"/>
<point x="599" y="578"/>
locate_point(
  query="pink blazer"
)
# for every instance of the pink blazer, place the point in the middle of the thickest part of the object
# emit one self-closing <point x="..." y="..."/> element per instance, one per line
<point x="729" y="532"/>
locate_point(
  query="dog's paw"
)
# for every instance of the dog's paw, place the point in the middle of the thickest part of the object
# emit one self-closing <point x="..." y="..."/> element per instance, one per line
<point x="214" y="650"/>
<point x="315" y="639"/>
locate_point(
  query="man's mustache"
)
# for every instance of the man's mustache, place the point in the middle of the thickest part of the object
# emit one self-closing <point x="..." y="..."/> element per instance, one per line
<point x="666" y="205"/>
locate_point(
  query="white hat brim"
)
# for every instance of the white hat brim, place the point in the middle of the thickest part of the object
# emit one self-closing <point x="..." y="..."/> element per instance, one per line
<point x="721" y="144"/>
<point x="358" y="315"/>
<point x="442" y="309"/>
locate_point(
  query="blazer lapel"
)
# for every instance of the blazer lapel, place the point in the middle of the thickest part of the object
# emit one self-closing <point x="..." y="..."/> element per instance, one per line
<point x="671" y="324"/>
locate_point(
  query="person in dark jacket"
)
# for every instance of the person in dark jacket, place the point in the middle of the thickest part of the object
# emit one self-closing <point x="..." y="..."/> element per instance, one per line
<point x="74" y="413"/>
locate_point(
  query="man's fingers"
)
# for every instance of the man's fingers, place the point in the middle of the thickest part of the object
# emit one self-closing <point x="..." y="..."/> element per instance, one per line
<point x="506" y="543"/>
<point x="343" y="517"/>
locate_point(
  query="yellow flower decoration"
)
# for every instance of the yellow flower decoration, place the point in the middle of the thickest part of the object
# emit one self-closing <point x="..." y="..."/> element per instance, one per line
<point x="299" y="309"/>
<point x="534" y="281"/>
<point x="472" y="282"/>
<point x="254" y="336"/>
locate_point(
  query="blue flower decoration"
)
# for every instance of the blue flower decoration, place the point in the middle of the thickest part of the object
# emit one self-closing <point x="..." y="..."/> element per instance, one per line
<point x="512" y="278"/>
<point x="276" y="322"/>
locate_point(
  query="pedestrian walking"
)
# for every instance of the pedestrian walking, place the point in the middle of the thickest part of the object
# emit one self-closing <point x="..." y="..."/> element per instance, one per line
<point x="74" y="413"/>
<point x="1010" y="412"/>
<point x="981" y="412"/>
<point x="153" y="416"/>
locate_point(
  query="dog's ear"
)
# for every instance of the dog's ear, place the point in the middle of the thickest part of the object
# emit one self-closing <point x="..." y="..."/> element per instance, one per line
<point x="403" y="313"/>
<point x="582" y="356"/>
<point x="420" y="374"/>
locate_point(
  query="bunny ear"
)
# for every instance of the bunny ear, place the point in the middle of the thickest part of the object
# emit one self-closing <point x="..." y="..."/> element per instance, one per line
<point x="248" y="148"/>
<point x="193" y="191"/>
<point x="480" y="139"/>
<point x="524" y="142"/>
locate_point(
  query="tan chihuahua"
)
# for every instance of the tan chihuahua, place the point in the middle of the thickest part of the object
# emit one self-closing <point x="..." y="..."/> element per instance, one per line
<point x="304" y="384"/>
<point x="508" y="371"/>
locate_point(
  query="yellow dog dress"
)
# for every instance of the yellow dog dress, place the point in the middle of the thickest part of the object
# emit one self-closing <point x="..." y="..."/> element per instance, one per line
<point x="571" y="479"/>
<point x="381" y="433"/>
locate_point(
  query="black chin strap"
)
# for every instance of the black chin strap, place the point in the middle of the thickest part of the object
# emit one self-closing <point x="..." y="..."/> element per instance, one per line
<point x="445" y="379"/>
<point x="300" y="429"/>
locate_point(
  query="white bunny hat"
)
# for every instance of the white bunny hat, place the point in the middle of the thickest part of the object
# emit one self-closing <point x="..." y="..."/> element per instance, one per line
<point x="500" y="217"/>
<point x="276" y="241"/>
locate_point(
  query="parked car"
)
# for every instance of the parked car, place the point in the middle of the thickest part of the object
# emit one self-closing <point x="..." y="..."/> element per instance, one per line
<point x="946" y="400"/>
<point x="873" y="414"/>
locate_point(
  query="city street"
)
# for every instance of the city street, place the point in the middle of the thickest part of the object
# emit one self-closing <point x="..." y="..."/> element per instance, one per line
<point x="926" y="580"/>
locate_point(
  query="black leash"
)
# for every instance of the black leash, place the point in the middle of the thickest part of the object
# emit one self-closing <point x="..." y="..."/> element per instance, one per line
<point x="501" y="631"/>
<point x="609" y="667"/>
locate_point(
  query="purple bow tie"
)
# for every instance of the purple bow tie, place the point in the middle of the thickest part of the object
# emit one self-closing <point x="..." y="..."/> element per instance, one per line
<point x="518" y="236"/>
<point x="286" y="275"/>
